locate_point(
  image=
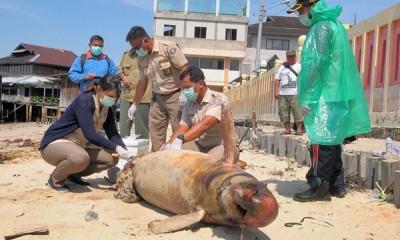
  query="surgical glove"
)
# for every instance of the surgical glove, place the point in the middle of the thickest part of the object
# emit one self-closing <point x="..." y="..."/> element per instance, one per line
<point x="176" y="144"/>
<point x="123" y="153"/>
<point x="132" y="111"/>
<point x="305" y="110"/>
<point x="165" y="147"/>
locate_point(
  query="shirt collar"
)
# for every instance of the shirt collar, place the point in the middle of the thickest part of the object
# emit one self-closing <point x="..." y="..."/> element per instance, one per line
<point x="90" y="55"/>
<point x="207" y="97"/>
<point x="156" y="46"/>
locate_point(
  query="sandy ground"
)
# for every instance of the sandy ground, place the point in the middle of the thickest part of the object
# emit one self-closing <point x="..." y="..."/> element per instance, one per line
<point x="26" y="201"/>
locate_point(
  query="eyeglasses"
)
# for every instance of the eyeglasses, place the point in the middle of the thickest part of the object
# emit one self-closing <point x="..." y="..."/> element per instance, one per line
<point x="139" y="46"/>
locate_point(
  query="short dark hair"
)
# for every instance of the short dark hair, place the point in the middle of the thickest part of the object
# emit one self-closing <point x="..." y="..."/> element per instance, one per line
<point x="136" y="32"/>
<point x="195" y="74"/>
<point x="96" y="38"/>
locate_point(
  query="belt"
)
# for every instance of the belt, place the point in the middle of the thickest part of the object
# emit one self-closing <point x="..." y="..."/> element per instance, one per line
<point x="177" y="90"/>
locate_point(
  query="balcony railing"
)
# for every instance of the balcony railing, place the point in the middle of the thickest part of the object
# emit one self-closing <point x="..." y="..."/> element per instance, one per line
<point x="45" y="101"/>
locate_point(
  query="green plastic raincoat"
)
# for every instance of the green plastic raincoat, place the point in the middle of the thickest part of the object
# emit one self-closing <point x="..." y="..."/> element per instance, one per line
<point x="329" y="81"/>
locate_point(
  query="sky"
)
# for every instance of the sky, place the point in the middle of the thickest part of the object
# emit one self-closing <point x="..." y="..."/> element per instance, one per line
<point x="69" y="24"/>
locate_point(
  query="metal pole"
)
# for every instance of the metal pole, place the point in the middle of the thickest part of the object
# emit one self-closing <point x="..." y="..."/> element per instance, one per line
<point x="260" y="25"/>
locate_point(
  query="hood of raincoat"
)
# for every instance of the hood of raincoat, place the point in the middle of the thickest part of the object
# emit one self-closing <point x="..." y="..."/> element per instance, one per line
<point x="329" y="83"/>
<point x="320" y="11"/>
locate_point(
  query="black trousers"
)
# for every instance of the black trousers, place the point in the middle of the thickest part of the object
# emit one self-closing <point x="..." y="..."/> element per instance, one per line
<point x="326" y="165"/>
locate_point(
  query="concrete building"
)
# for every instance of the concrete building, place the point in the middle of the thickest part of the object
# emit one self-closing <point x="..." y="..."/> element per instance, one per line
<point x="279" y="34"/>
<point x="212" y="34"/>
<point x="376" y="46"/>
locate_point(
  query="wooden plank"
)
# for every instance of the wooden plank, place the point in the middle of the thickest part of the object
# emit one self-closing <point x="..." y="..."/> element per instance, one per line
<point x="387" y="172"/>
<point x="396" y="189"/>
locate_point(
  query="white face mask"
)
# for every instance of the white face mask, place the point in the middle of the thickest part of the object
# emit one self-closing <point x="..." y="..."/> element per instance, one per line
<point x="305" y="20"/>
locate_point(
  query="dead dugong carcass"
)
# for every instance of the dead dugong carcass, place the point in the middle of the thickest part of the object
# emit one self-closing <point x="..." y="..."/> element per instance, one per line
<point x="198" y="187"/>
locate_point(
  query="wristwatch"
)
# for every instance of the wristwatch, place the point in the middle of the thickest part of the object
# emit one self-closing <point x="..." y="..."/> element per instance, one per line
<point x="181" y="137"/>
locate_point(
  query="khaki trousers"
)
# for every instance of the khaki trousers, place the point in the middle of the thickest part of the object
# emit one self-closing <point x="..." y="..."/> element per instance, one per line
<point x="217" y="151"/>
<point x="164" y="109"/>
<point x="71" y="159"/>
<point x="141" y="120"/>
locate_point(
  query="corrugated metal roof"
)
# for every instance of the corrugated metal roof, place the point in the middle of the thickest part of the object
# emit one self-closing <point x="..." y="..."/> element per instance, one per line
<point x="27" y="80"/>
<point x="39" y="55"/>
<point x="280" y="26"/>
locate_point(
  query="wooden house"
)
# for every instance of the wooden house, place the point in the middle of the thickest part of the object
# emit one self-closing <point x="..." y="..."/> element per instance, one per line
<point x="33" y="78"/>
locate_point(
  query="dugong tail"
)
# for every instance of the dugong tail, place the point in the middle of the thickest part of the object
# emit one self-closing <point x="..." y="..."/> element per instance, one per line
<point x="231" y="151"/>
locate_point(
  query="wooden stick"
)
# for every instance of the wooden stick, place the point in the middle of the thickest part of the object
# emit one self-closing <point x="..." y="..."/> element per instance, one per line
<point x="41" y="230"/>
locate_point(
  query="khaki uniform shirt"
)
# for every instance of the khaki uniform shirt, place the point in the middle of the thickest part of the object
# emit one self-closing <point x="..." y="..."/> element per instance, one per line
<point x="129" y="67"/>
<point x="99" y="117"/>
<point x="210" y="106"/>
<point x="162" y="66"/>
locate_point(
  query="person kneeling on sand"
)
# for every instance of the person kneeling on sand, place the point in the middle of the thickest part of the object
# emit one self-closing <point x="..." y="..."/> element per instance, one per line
<point x="64" y="143"/>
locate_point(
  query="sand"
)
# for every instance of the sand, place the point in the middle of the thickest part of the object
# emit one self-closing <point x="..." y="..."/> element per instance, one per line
<point x="26" y="201"/>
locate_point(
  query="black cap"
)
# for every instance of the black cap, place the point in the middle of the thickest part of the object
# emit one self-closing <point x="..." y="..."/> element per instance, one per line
<point x="301" y="3"/>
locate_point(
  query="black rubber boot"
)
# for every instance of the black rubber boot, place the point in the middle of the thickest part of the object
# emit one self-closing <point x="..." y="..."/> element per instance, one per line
<point x="338" y="192"/>
<point x="320" y="193"/>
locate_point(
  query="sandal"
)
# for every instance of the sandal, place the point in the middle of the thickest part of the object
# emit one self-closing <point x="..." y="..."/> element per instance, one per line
<point x="78" y="180"/>
<point x="286" y="133"/>
<point x="298" y="133"/>
<point x="63" y="188"/>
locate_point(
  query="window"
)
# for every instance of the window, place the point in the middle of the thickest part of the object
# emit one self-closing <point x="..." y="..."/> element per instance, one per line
<point x="234" y="65"/>
<point x="230" y="34"/>
<point x="26" y="92"/>
<point x="200" y="32"/>
<point x="194" y="62"/>
<point x="211" y="63"/>
<point x="278" y="44"/>
<point x="169" y="30"/>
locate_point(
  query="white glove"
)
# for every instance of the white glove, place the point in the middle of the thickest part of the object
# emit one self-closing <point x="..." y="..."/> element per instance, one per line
<point x="132" y="111"/>
<point x="176" y="144"/>
<point x="305" y="110"/>
<point x="165" y="147"/>
<point x="123" y="153"/>
<point x="121" y="163"/>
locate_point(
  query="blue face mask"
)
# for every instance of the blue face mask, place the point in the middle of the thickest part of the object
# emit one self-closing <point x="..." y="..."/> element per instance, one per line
<point x="141" y="52"/>
<point x="305" y="20"/>
<point x="190" y="94"/>
<point x="96" y="50"/>
<point x="108" y="101"/>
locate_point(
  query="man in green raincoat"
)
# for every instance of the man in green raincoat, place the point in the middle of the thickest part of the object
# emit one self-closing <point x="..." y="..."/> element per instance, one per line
<point x="330" y="95"/>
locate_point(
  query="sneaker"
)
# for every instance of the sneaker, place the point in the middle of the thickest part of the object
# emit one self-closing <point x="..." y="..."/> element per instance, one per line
<point x="78" y="180"/>
<point x="63" y="188"/>
<point x="338" y="192"/>
<point x="320" y="193"/>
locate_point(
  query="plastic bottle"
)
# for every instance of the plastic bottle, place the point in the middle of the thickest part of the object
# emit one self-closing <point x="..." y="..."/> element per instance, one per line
<point x="389" y="145"/>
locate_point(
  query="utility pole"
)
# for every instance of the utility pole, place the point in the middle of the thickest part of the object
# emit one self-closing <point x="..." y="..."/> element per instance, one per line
<point x="260" y="25"/>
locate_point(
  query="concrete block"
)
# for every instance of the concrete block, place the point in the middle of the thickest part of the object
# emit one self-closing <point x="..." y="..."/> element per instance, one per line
<point x="349" y="164"/>
<point x="370" y="171"/>
<point x="301" y="151"/>
<point x="387" y="172"/>
<point x="396" y="189"/>
<point x="271" y="143"/>
<point x="291" y="147"/>
<point x="377" y="173"/>
<point x="277" y="134"/>
<point x="308" y="157"/>
<point x="282" y="146"/>
<point x="362" y="164"/>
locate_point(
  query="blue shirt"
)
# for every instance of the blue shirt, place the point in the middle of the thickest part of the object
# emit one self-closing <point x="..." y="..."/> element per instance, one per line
<point x="97" y="65"/>
<point x="80" y="115"/>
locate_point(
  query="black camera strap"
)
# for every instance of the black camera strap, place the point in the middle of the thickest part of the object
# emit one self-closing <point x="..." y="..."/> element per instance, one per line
<point x="286" y="65"/>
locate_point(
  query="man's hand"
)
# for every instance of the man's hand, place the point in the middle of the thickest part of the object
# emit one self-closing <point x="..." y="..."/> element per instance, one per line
<point x="132" y="111"/>
<point x="90" y="76"/>
<point x="276" y="96"/>
<point x="176" y="144"/>
<point x="126" y="81"/>
<point x="305" y="110"/>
